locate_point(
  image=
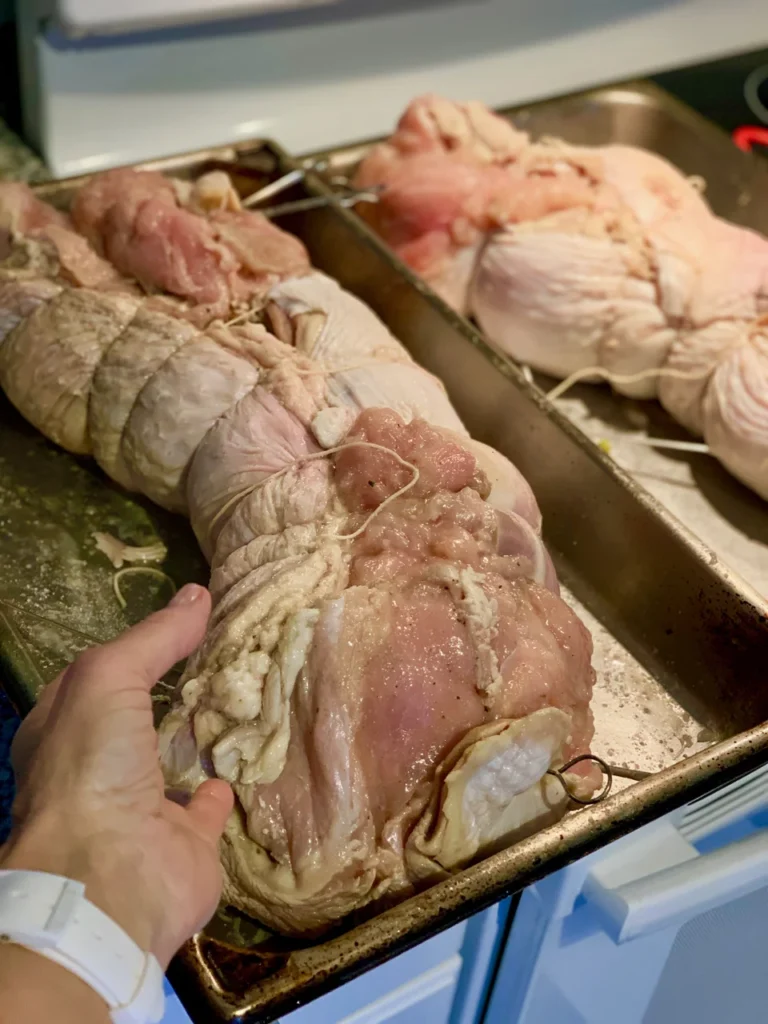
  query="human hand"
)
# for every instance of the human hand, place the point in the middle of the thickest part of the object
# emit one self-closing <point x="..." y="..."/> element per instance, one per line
<point x="91" y="802"/>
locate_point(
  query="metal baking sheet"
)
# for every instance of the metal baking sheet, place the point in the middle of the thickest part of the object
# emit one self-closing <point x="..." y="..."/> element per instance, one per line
<point x="727" y="516"/>
<point x="680" y="642"/>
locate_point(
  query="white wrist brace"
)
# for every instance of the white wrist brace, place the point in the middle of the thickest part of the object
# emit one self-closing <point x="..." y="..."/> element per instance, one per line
<point x="50" y="915"/>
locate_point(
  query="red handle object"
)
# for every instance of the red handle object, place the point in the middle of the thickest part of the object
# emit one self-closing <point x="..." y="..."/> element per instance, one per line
<point x="750" y="135"/>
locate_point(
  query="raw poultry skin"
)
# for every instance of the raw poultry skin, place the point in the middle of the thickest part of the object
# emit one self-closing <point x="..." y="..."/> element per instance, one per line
<point x="389" y="671"/>
<point x="572" y="257"/>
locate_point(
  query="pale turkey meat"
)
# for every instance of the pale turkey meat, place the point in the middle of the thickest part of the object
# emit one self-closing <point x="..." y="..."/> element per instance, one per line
<point x="193" y="241"/>
<point x="38" y="239"/>
<point x="389" y="671"/>
<point x="575" y="259"/>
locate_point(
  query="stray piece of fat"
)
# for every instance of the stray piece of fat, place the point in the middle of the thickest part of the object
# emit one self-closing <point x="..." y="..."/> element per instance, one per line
<point x="495" y="790"/>
<point x="211" y="192"/>
<point x="480" y="613"/>
<point x="255" y="751"/>
<point x="330" y="426"/>
<point x="119" y="553"/>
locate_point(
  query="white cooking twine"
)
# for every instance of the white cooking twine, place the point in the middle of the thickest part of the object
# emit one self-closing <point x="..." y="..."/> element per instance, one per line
<point x="133" y="570"/>
<point x="624" y="378"/>
<point x="235" y="499"/>
<point x="633" y="378"/>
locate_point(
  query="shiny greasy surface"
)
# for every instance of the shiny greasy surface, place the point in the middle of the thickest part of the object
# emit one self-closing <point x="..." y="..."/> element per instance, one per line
<point x="56" y="592"/>
<point x="698" y="630"/>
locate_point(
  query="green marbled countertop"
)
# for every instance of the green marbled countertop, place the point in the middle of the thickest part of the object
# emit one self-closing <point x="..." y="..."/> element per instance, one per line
<point x="17" y="161"/>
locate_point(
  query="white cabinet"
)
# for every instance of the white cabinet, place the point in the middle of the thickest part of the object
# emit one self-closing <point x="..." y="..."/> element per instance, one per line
<point x="669" y="924"/>
<point x="429" y="997"/>
<point x="441" y="981"/>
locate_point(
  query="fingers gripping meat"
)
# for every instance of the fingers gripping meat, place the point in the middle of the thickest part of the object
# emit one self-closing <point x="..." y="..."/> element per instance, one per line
<point x="573" y="258"/>
<point x="388" y="672"/>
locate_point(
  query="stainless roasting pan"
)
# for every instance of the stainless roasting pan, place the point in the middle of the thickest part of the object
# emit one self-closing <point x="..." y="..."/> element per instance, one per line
<point x="681" y="642"/>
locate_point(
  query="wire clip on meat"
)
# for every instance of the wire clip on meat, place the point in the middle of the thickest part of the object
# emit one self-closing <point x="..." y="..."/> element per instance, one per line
<point x="609" y="771"/>
<point x="344" y="194"/>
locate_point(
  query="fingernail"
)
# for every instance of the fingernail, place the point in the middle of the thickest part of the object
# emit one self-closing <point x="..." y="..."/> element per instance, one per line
<point x="188" y="594"/>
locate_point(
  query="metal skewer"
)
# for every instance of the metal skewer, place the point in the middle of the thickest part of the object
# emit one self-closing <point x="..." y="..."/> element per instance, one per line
<point x="345" y="195"/>
<point x="630" y="773"/>
<point x="274" y="188"/>
<point x="609" y="771"/>
<point x="314" y="202"/>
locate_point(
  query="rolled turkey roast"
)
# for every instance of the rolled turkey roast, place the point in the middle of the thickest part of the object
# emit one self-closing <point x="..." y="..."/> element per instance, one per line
<point x="575" y="258"/>
<point x="388" y="671"/>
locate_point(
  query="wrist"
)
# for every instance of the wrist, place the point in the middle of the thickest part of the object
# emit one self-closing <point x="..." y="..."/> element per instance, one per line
<point x="33" y="988"/>
<point x="112" y="882"/>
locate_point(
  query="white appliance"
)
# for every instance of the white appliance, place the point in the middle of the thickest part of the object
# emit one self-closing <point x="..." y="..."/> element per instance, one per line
<point x="665" y="926"/>
<point x="112" y="81"/>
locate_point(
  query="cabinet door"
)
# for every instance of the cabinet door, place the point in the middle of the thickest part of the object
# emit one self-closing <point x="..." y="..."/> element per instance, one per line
<point x="668" y="924"/>
<point x="441" y="981"/>
<point x="427" y="999"/>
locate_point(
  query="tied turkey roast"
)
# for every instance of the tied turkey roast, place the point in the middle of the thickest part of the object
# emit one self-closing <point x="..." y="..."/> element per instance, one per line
<point x="572" y="258"/>
<point x="388" y="671"/>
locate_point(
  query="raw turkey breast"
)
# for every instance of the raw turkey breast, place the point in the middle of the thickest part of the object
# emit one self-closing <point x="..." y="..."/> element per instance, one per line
<point x="573" y="258"/>
<point x="389" y="671"/>
<point x="193" y="241"/>
<point x="39" y="239"/>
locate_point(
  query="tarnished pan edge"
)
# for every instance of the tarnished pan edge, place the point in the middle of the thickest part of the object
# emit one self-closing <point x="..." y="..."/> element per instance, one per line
<point x="49" y="190"/>
<point x="312" y="971"/>
<point x="316" y="970"/>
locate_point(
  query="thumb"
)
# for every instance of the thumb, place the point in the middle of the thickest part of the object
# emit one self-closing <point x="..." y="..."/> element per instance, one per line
<point x="209" y="808"/>
<point x="148" y="650"/>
